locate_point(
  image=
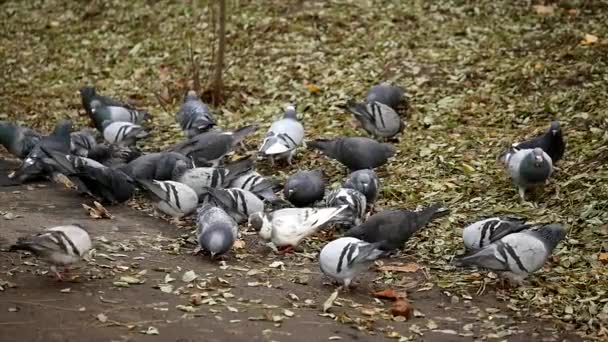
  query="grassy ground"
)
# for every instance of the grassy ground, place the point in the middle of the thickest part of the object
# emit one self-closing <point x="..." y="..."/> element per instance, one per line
<point x="479" y="74"/>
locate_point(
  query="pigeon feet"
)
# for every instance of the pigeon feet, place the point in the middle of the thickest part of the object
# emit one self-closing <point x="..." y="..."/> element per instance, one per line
<point x="286" y="249"/>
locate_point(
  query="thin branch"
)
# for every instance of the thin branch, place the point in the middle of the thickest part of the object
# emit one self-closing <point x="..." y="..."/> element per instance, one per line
<point x="160" y="102"/>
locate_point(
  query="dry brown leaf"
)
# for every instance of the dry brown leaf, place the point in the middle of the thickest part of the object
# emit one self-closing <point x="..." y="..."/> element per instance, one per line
<point x="330" y="301"/>
<point x="239" y="244"/>
<point x="97" y="212"/>
<point x="403" y="308"/>
<point x="603" y="257"/>
<point x="390" y="294"/>
<point x="543" y="10"/>
<point x="407" y="268"/>
<point x="589" y="39"/>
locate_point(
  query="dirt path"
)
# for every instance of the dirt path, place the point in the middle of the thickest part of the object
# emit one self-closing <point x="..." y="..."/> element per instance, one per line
<point x="249" y="296"/>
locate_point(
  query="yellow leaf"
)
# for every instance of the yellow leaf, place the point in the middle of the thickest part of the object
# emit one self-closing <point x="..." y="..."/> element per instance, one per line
<point x="313" y="88"/>
<point x="589" y="39"/>
<point x="603" y="257"/>
<point x="543" y="10"/>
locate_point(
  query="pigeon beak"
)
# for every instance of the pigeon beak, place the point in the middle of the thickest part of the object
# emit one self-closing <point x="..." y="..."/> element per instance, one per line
<point x="365" y="186"/>
<point x="554" y="131"/>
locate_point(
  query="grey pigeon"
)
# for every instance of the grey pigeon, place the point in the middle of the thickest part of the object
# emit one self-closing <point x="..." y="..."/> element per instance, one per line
<point x="529" y="168"/>
<point x="172" y="198"/>
<point x="201" y="178"/>
<point x="113" y="155"/>
<point x="58" y="246"/>
<point x="158" y="166"/>
<point x="304" y="188"/>
<point x="101" y="108"/>
<point x="216" y="231"/>
<point x="390" y="95"/>
<point x="122" y="133"/>
<point x="81" y="142"/>
<point x="365" y="181"/>
<point x="194" y="116"/>
<point x="379" y="120"/>
<point x="355" y="201"/>
<point x="283" y="137"/>
<point x="482" y="233"/>
<point x="238" y="203"/>
<point x="18" y="140"/>
<point x="552" y="142"/>
<point x="287" y="227"/>
<point x="39" y="161"/>
<point x="517" y="254"/>
<point x="210" y="147"/>
<point x="90" y="177"/>
<point x="257" y="184"/>
<point x="395" y="226"/>
<point x="355" y="153"/>
<point x="345" y="258"/>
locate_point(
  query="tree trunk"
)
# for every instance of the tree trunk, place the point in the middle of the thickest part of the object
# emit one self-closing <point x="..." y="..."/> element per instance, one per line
<point x="218" y="85"/>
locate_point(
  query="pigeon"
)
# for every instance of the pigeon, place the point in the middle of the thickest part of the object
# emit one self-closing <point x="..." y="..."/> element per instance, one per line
<point x="90" y="177"/>
<point x="238" y="203"/>
<point x="356" y="153"/>
<point x="379" y="120"/>
<point x="201" y="178"/>
<point x="395" y="226"/>
<point x="516" y="254"/>
<point x="210" y="147"/>
<point x="345" y="258"/>
<point x="355" y="201"/>
<point x="157" y="166"/>
<point x="482" y="233"/>
<point x="365" y="181"/>
<point x="392" y="96"/>
<point x="18" y="140"/>
<point x="304" y="188"/>
<point x="39" y="161"/>
<point x="81" y="142"/>
<point x="101" y="108"/>
<point x="257" y="184"/>
<point x="283" y="137"/>
<point x="122" y="133"/>
<point x="172" y="198"/>
<point x="194" y="116"/>
<point x="552" y="142"/>
<point x="216" y="231"/>
<point x="287" y="227"/>
<point x="113" y="155"/>
<point x="529" y="168"/>
<point x="58" y="246"/>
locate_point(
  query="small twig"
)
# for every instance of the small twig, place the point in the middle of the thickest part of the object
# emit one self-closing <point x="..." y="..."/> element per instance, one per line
<point x="160" y="102"/>
<point x="42" y="305"/>
<point x="129" y="324"/>
<point x="16" y="323"/>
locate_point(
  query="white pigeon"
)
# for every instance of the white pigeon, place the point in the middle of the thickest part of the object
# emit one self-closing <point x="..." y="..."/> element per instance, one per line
<point x="287" y="227"/>
<point x="482" y="233"/>
<point x="122" y="133"/>
<point x="58" y="246"/>
<point x="343" y="259"/>
<point x="216" y="231"/>
<point x="283" y="137"/>
<point x="238" y="203"/>
<point x="172" y="198"/>
<point x="517" y="254"/>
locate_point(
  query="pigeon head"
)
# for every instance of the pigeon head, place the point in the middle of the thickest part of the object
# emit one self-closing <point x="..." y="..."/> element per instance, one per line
<point x="217" y="240"/>
<point x="555" y="128"/>
<point x="256" y="221"/>
<point x="87" y="93"/>
<point x="290" y="112"/>
<point x="551" y="234"/>
<point x="536" y="166"/>
<point x="364" y="181"/>
<point x="31" y="168"/>
<point x="8" y="131"/>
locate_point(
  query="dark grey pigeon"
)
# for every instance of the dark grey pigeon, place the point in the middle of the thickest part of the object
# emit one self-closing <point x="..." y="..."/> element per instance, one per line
<point x="81" y="142"/>
<point x="517" y="254"/>
<point x="201" y="178"/>
<point x="194" y="116"/>
<point x="395" y="226"/>
<point x="482" y="233"/>
<point x="113" y="155"/>
<point x="379" y="120"/>
<point x="158" y="166"/>
<point x="304" y="188"/>
<point x="390" y="95"/>
<point x="102" y="108"/>
<point x="238" y="203"/>
<point x="18" y="140"/>
<point x="355" y="153"/>
<point x="104" y="184"/>
<point x="259" y="185"/>
<point x="529" y="168"/>
<point x="552" y="142"/>
<point x="365" y="181"/>
<point x="356" y="202"/>
<point x="216" y="231"/>
<point x="210" y="147"/>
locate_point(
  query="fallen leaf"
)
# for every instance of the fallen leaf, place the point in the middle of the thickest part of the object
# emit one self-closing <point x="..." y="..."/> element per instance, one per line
<point x="276" y="264"/>
<point x="239" y="244"/>
<point x="313" y="88"/>
<point x="330" y="301"/>
<point x="403" y="308"/>
<point x="9" y="216"/>
<point x="288" y="313"/>
<point x="603" y="257"/>
<point x="132" y="280"/>
<point x="185" y="308"/>
<point x="407" y="268"/>
<point x="589" y="39"/>
<point x="102" y="318"/>
<point x="150" y="331"/>
<point x="166" y="288"/>
<point x="97" y="212"/>
<point x="189" y="276"/>
<point x="390" y="294"/>
<point x="543" y="10"/>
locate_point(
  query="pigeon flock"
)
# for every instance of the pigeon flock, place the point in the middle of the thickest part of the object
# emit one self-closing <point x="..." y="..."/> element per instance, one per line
<point x="193" y="177"/>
